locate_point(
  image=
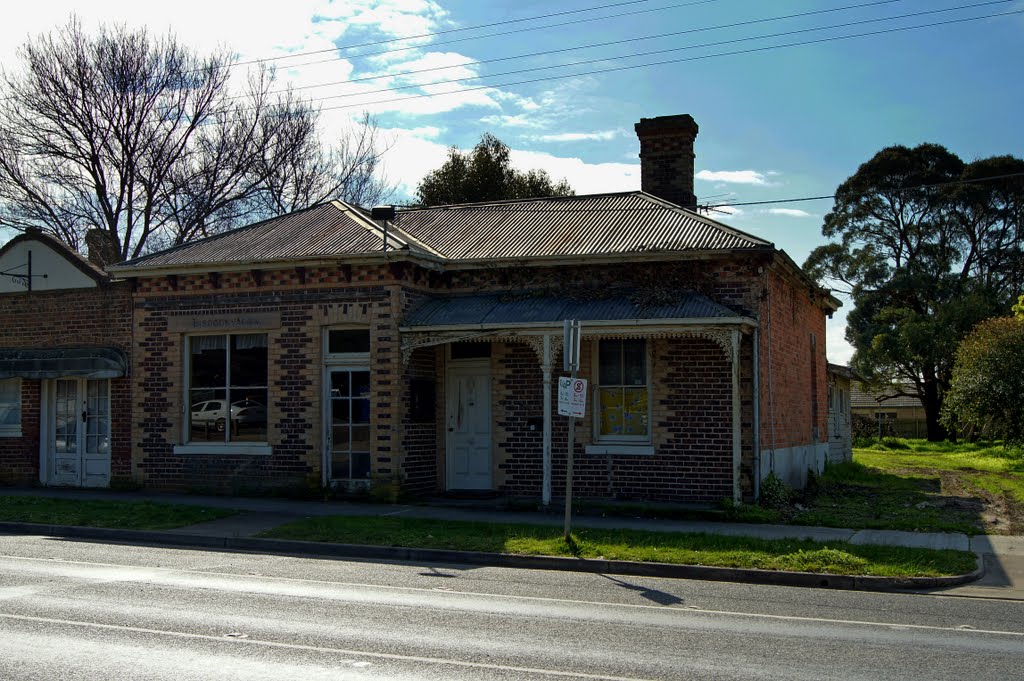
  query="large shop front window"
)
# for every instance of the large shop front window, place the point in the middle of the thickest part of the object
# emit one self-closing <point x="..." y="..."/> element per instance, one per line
<point x="10" y="407"/>
<point x="623" y="394"/>
<point x="227" y="388"/>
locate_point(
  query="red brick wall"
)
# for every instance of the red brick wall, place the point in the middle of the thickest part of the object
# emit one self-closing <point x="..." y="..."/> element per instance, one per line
<point x="792" y="405"/>
<point x="65" y="318"/>
<point x="691" y="410"/>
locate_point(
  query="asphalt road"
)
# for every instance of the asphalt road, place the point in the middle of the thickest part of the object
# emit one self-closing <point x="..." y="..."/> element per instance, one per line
<point x="85" y="610"/>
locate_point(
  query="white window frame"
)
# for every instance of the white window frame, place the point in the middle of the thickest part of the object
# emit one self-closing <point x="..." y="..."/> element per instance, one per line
<point x="213" y="447"/>
<point x="352" y="362"/>
<point x="13" y="430"/>
<point x="620" y="444"/>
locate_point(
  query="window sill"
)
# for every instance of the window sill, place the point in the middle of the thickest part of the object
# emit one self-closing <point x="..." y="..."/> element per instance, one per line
<point x="249" y="449"/>
<point x="620" y="450"/>
<point x="10" y="433"/>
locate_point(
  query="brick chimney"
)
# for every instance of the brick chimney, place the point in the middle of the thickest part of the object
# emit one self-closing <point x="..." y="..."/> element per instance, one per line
<point x="666" y="157"/>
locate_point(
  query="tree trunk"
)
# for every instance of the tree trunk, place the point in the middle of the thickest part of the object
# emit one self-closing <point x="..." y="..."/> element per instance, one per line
<point x="932" y="407"/>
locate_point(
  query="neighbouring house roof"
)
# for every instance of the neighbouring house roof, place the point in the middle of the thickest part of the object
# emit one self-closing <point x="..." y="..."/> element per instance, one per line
<point x="71" y="255"/>
<point x="519" y="309"/>
<point x="577" y="226"/>
<point x="863" y="397"/>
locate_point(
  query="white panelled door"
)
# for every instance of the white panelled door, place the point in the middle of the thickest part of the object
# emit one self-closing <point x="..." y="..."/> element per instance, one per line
<point x="469" y="428"/>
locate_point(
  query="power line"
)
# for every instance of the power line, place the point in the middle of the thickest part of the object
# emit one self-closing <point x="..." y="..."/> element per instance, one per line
<point x="897" y="190"/>
<point x="625" y="56"/>
<point x="466" y="28"/>
<point x="510" y="206"/>
<point x="617" y="42"/>
<point x="537" y="28"/>
<point x="674" y="61"/>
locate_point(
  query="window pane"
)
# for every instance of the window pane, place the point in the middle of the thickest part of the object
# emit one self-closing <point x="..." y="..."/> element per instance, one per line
<point x="339" y="464"/>
<point x="10" y="402"/>
<point x="348" y="340"/>
<point x="610" y="369"/>
<point x="249" y="360"/>
<point x="249" y="415"/>
<point x="360" y="465"/>
<point x="634" y="359"/>
<point x="209" y="355"/>
<point x="361" y="438"/>
<point x="360" y="383"/>
<point x="340" y="384"/>
<point x="360" y="411"/>
<point x="610" y="405"/>
<point x="208" y="415"/>
<point x="634" y="411"/>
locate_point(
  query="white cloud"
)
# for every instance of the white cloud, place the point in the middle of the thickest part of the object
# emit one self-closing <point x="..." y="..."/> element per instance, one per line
<point x="733" y="176"/>
<point x="518" y="121"/>
<point x="836" y="347"/>
<point x="790" y="212"/>
<point x="603" y="135"/>
<point x="585" y="178"/>
<point x="720" y="211"/>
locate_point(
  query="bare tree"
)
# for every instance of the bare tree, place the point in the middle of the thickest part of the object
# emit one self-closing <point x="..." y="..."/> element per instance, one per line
<point x="349" y="170"/>
<point x="142" y="138"/>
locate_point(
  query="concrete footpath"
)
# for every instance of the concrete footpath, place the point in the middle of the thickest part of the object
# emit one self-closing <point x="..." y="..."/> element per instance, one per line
<point x="1000" y="574"/>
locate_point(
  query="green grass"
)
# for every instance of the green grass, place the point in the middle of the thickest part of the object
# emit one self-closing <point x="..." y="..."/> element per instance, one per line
<point x="133" y="515"/>
<point x="861" y="497"/>
<point x="987" y="466"/>
<point x="663" y="547"/>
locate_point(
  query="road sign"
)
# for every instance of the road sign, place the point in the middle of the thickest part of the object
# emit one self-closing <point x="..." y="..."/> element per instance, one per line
<point x="572" y="396"/>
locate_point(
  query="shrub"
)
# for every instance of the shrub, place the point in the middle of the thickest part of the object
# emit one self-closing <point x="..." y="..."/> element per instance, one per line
<point x="774" y="492"/>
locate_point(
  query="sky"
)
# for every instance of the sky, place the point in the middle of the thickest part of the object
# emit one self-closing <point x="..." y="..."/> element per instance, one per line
<point x="562" y="82"/>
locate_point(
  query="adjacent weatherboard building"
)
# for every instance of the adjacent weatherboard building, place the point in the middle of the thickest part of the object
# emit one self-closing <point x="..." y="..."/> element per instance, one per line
<point x="420" y="350"/>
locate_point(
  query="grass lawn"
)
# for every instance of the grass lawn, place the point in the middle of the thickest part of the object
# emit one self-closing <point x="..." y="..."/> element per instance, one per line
<point x="663" y="547"/>
<point x="919" y="485"/>
<point x="129" y="515"/>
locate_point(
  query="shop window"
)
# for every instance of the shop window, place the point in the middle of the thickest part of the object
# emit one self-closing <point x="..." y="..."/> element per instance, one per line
<point x="10" y="407"/>
<point x="227" y="388"/>
<point x="623" y="393"/>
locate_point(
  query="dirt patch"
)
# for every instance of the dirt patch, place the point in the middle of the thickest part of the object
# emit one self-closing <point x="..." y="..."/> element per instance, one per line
<point x="999" y="513"/>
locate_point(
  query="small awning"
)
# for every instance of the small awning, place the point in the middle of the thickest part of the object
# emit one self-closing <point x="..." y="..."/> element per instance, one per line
<point x="512" y="311"/>
<point x="77" y="362"/>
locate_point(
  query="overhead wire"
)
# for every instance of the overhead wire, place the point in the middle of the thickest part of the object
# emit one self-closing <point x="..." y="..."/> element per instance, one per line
<point x="495" y="86"/>
<point x="545" y="53"/>
<point x="634" y="55"/>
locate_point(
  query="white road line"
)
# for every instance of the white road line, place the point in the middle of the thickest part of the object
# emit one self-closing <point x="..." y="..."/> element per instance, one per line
<point x="320" y="649"/>
<point x="543" y="599"/>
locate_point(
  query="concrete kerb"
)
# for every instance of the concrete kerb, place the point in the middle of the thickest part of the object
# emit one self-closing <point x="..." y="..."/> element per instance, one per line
<point x="359" y="551"/>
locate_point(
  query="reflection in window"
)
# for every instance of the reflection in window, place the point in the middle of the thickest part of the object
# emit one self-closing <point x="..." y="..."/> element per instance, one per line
<point x="227" y="388"/>
<point x="10" y="406"/>
<point x="622" y="394"/>
<point x="350" y="424"/>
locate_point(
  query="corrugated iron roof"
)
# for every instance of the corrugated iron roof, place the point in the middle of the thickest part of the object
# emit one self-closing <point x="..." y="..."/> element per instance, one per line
<point x="631" y="222"/>
<point x="601" y="224"/>
<point x="327" y="229"/>
<point x="862" y="397"/>
<point x="522" y="308"/>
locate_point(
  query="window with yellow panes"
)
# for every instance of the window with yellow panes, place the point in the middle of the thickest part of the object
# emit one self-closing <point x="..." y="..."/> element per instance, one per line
<point x="623" y="395"/>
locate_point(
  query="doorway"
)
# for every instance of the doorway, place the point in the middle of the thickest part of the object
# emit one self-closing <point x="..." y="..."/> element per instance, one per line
<point x="76" y="430"/>
<point x="468" y="424"/>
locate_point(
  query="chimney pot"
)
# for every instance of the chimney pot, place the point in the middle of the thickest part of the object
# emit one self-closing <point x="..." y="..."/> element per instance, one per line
<point x="666" y="157"/>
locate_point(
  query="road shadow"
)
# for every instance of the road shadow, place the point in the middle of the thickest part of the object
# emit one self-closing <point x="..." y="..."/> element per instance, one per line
<point x="653" y="595"/>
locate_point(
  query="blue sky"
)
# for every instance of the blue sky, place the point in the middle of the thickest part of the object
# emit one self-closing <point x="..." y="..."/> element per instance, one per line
<point x="774" y="124"/>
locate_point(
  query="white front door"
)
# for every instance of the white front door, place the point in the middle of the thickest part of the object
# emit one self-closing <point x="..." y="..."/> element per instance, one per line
<point x="468" y="406"/>
<point x="77" y="439"/>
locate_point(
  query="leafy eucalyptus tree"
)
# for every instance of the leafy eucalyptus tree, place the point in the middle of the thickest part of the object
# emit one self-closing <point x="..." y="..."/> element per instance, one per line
<point x="926" y="246"/>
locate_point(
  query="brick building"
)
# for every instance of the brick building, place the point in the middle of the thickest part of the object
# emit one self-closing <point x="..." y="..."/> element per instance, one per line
<point x="65" y="395"/>
<point x="421" y="349"/>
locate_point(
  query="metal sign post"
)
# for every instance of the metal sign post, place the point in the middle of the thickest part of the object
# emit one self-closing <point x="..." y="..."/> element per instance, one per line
<point x="571" y="363"/>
